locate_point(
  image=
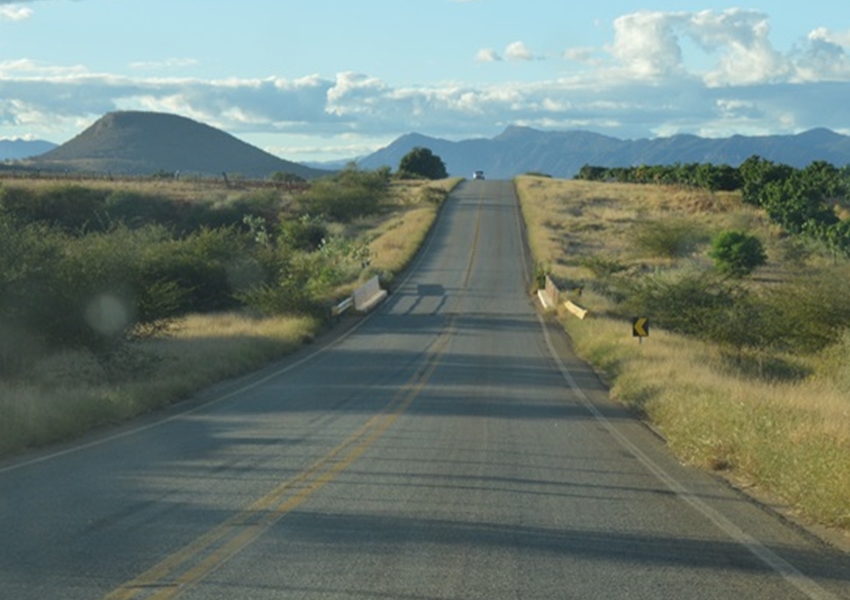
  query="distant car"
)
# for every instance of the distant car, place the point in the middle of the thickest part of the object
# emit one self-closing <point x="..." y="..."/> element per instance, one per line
<point x="478" y="175"/>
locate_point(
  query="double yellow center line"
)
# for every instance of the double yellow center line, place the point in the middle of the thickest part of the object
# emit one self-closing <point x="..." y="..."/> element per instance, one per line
<point x="183" y="569"/>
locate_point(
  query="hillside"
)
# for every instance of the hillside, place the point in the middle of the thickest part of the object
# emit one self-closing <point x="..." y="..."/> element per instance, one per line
<point x="561" y="154"/>
<point x="143" y="143"/>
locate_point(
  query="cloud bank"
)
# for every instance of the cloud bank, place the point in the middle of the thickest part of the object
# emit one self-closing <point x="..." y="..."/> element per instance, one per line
<point x="639" y="85"/>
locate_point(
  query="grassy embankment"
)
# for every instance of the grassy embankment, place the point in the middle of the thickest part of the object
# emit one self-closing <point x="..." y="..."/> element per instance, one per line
<point x="66" y="394"/>
<point x="778" y="423"/>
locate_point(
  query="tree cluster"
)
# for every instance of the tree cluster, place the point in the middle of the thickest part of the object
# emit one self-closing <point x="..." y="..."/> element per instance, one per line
<point x="801" y="201"/>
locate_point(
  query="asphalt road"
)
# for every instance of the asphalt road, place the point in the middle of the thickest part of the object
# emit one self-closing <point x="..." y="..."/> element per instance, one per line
<point x="447" y="446"/>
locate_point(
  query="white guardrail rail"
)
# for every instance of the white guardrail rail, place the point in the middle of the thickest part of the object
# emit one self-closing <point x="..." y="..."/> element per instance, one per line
<point x="364" y="298"/>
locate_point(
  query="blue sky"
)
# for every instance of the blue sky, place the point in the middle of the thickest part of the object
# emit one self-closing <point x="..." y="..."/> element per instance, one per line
<point x="328" y="79"/>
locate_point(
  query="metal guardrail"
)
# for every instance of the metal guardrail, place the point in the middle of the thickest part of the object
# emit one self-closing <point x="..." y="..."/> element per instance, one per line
<point x="343" y="306"/>
<point x="364" y="298"/>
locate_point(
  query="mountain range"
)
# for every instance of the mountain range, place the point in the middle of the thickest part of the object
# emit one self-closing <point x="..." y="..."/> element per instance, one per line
<point x="144" y="143"/>
<point x="18" y="149"/>
<point x="561" y="154"/>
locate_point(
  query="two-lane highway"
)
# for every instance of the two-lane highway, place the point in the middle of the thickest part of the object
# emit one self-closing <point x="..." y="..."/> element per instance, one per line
<point x="450" y="446"/>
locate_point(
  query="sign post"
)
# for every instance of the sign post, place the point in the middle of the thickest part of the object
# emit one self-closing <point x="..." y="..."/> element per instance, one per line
<point x="640" y="328"/>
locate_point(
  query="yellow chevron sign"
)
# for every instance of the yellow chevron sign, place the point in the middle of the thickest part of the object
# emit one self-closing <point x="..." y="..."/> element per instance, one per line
<point x="640" y="327"/>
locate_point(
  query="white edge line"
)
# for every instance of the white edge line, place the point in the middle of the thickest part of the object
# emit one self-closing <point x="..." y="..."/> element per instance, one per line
<point x="779" y="565"/>
<point x="775" y="562"/>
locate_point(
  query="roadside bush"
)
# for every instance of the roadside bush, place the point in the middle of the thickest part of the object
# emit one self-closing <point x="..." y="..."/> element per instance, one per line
<point x="135" y="209"/>
<point x="28" y="259"/>
<point x="265" y="204"/>
<point x="90" y="302"/>
<point x="667" y="239"/>
<point x="95" y="290"/>
<point x="736" y="253"/>
<point x="304" y="233"/>
<point x="348" y="195"/>
<point x="602" y="267"/>
<point x="299" y="282"/>
<point x="72" y="208"/>
<point x="205" y="265"/>
<point x="710" y="308"/>
<point x="746" y="323"/>
<point x="285" y="288"/>
<point x="687" y="303"/>
<point x="814" y="311"/>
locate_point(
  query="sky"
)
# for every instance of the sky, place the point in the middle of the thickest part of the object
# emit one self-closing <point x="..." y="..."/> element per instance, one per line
<point x="313" y="80"/>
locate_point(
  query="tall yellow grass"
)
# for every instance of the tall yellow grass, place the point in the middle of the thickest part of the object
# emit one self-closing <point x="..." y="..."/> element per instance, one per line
<point x="73" y="392"/>
<point x="790" y="439"/>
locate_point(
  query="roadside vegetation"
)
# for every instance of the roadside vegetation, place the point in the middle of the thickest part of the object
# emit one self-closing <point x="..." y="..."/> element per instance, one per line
<point x="118" y="298"/>
<point x="746" y="286"/>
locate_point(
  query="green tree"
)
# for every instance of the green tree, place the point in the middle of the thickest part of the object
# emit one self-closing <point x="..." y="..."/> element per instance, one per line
<point x="421" y="162"/>
<point x="756" y="173"/>
<point x="736" y="253"/>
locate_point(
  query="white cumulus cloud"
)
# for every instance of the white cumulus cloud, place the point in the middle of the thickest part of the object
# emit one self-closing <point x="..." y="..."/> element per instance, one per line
<point x="639" y="85"/>
<point x="14" y="12"/>
<point x="736" y="42"/>
<point x="487" y="55"/>
<point x="518" y="51"/>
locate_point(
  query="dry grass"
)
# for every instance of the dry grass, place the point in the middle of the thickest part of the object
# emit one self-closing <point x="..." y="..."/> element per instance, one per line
<point x="395" y="236"/>
<point x="396" y="239"/>
<point x="185" y="190"/>
<point x="788" y="438"/>
<point x="73" y="392"/>
<point x="569" y="221"/>
<point x="70" y="393"/>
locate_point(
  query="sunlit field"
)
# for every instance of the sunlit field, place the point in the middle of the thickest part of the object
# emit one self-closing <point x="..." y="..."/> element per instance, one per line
<point x="777" y="422"/>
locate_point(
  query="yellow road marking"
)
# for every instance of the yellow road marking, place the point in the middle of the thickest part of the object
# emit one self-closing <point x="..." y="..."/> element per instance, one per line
<point x="475" y="239"/>
<point x="185" y="568"/>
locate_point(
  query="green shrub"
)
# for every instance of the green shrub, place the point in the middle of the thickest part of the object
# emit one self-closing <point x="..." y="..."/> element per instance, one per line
<point x="746" y="322"/>
<point x="687" y="303"/>
<point x="135" y="209"/>
<point x="601" y="266"/>
<point x="29" y="256"/>
<point x="813" y="310"/>
<point x="736" y="253"/>
<point x="72" y="208"/>
<point x="349" y="195"/>
<point x="668" y="238"/>
<point x="204" y="264"/>
<point x="304" y="233"/>
<point x="286" y="287"/>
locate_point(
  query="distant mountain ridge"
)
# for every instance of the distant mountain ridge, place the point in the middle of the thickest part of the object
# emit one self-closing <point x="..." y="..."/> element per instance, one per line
<point x="520" y="150"/>
<point x="18" y="149"/>
<point x="144" y="143"/>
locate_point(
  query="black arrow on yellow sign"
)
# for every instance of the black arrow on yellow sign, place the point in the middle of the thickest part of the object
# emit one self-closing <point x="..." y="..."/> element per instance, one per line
<point x="640" y="327"/>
